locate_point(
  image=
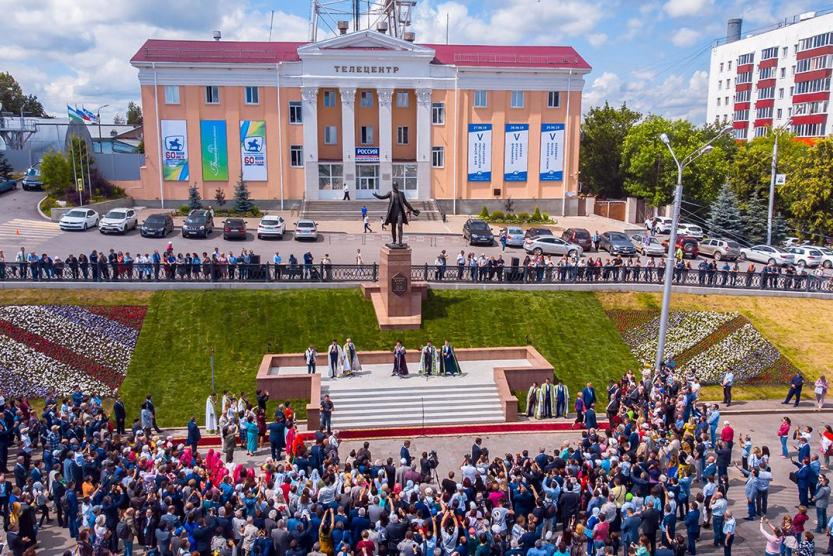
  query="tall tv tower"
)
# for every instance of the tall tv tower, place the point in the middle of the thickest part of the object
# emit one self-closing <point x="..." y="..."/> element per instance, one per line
<point x="337" y="17"/>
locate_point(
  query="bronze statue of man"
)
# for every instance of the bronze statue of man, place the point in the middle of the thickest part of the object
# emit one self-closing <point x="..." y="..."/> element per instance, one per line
<point x="398" y="210"/>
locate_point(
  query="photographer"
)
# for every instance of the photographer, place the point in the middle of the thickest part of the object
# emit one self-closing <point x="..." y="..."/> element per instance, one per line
<point x="427" y="464"/>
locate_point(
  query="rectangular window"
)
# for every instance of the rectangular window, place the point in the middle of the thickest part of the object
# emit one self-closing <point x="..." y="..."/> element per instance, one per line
<point x="783" y="73"/>
<point x="330" y="176"/>
<point x="768" y="53"/>
<point x="809" y="130"/>
<point x="721" y="66"/>
<point x="779" y="113"/>
<point x="815" y="42"/>
<point x="744" y="59"/>
<point x="741" y="133"/>
<point x="766" y="73"/>
<point x="330" y="135"/>
<point x="402" y="99"/>
<point x="761" y="131"/>
<point x="726" y="101"/>
<point x="517" y="99"/>
<point x="296" y="156"/>
<point x="814" y="86"/>
<point x="553" y="99"/>
<point x="171" y="94"/>
<point x="438" y="157"/>
<point x="481" y="99"/>
<point x="366" y="99"/>
<point x="720" y="85"/>
<point x="741" y="116"/>
<point x="252" y="95"/>
<point x="730" y="65"/>
<point x="212" y="94"/>
<point x="766" y="93"/>
<point x="742" y="96"/>
<point x="784" y="51"/>
<point x="763" y="113"/>
<point x="405" y="175"/>
<point x="438" y="113"/>
<point x="402" y="135"/>
<point x="718" y="101"/>
<point x="745" y="77"/>
<point x="813" y="64"/>
<point x="295" y="112"/>
<point x="806" y="108"/>
<point x="329" y="99"/>
<point x="366" y="135"/>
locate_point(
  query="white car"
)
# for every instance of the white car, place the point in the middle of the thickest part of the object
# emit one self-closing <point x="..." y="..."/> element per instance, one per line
<point x="662" y="225"/>
<point x="806" y="256"/>
<point x="767" y="254"/>
<point x="826" y="256"/>
<point x="690" y="230"/>
<point x="794" y="242"/>
<point x="118" y="221"/>
<point x="78" y="219"/>
<point x="271" y="225"/>
<point x="306" y="229"/>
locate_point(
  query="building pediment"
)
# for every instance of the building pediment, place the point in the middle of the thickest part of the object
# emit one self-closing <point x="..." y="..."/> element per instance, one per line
<point x="364" y="43"/>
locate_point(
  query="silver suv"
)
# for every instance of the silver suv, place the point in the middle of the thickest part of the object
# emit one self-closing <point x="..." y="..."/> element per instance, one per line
<point x="720" y="249"/>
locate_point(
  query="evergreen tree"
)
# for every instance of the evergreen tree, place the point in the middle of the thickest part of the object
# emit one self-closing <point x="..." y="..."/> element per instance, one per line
<point x="242" y="202"/>
<point x="194" y="199"/>
<point x="220" y="196"/>
<point x="754" y="220"/>
<point x="724" y="215"/>
<point x="5" y="168"/>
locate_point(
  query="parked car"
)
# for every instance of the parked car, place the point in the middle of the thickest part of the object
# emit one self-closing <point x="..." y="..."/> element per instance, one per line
<point x="234" y="228"/>
<point x="805" y="255"/>
<point x="7" y="185"/>
<point x="306" y="229"/>
<point x="551" y="245"/>
<point x="119" y="221"/>
<point x="826" y="256"/>
<point x="794" y="242"/>
<point x="690" y="230"/>
<point x="648" y="245"/>
<point x="271" y="225"/>
<point x="478" y="232"/>
<point x="157" y="225"/>
<point x="514" y="236"/>
<point x="537" y="232"/>
<point x="32" y="180"/>
<point x="767" y="254"/>
<point x="689" y="245"/>
<point x="78" y="219"/>
<point x="616" y="243"/>
<point x="198" y="223"/>
<point x="662" y="224"/>
<point x="578" y="236"/>
<point x="720" y="249"/>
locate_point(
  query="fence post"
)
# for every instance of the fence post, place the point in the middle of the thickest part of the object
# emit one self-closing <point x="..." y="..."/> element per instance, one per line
<point x="375" y="273"/>
<point x="425" y="272"/>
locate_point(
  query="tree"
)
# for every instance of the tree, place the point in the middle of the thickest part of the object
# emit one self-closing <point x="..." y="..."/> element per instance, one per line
<point x="242" y="202"/>
<point x="194" y="199"/>
<point x="809" y="189"/>
<point x="56" y="173"/>
<point x="15" y="100"/>
<point x="5" y="168"/>
<point x="650" y="171"/>
<point x="724" y="215"/>
<point x="60" y="170"/>
<point x="751" y="169"/>
<point x="134" y="114"/>
<point x="602" y="134"/>
<point x="118" y="119"/>
<point x="220" y="196"/>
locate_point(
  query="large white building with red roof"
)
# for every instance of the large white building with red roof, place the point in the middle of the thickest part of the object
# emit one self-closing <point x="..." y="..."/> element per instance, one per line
<point x="472" y="124"/>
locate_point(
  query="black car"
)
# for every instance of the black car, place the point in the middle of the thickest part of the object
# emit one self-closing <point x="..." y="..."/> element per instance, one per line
<point x="199" y="223"/>
<point x="234" y="228"/>
<point x="478" y="232"/>
<point x="616" y="243"/>
<point x="157" y="225"/>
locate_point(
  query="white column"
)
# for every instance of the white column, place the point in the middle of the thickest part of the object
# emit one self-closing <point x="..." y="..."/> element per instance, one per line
<point x="309" y="114"/>
<point x="423" y="146"/>
<point x="348" y="137"/>
<point x="385" y="138"/>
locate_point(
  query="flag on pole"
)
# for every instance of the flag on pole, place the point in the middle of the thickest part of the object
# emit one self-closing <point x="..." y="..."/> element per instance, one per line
<point x="73" y="114"/>
<point x="89" y="117"/>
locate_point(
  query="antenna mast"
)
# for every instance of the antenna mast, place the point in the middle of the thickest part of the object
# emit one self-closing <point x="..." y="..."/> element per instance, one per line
<point x="333" y="17"/>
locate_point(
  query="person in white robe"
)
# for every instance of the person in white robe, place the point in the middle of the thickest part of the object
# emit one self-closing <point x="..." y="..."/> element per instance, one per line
<point x="429" y="361"/>
<point x="211" y="414"/>
<point x="350" y="358"/>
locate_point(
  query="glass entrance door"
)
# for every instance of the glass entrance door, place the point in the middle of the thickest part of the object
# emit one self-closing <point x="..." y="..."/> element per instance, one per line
<point x="367" y="180"/>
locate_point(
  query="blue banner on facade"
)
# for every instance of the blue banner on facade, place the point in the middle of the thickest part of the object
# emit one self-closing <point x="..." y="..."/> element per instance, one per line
<point x="480" y="152"/>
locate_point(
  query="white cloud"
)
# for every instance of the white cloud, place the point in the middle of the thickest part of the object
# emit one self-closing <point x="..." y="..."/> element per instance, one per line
<point x="685" y="37"/>
<point x="634" y="26"/>
<point x="597" y="39"/>
<point x="686" y="8"/>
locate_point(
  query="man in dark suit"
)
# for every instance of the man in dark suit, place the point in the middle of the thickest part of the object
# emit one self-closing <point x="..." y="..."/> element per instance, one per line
<point x="568" y="506"/>
<point x="796" y="383"/>
<point x="405" y="452"/>
<point x="194" y="435"/>
<point x="120" y="414"/>
<point x="20" y="473"/>
<point x="476" y="450"/>
<point x="397" y="213"/>
<point x="650" y="524"/>
<point x="276" y="437"/>
<point x="588" y="394"/>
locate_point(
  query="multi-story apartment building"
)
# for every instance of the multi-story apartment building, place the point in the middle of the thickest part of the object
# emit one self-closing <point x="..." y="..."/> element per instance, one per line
<point x="365" y="109"/>
<point x="779" y="77"/>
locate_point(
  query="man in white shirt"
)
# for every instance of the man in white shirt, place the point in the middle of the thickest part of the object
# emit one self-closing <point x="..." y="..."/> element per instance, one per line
<point x="346" y="190"/>
<point x="728" y="380"/>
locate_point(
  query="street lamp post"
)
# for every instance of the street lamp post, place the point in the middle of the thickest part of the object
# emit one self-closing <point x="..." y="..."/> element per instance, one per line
<point x="672" y="238"/>
<point x="772" y="181"/>
<point x="98" y="120"/>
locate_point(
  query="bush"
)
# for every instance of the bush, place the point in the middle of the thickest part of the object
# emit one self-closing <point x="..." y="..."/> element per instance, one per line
<point x="497" y="216"/>
<point x="546" y="217"/>
<point x="484" y="213"/>
<point x="523" y="217"/>
<point x="536" y="216"/>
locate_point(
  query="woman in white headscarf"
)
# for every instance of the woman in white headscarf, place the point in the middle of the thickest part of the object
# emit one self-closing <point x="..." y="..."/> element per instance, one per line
<point x="210" y="414"/>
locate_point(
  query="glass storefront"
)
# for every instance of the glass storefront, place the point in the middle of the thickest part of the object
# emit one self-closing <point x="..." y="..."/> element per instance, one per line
<point x="367" y="180"/>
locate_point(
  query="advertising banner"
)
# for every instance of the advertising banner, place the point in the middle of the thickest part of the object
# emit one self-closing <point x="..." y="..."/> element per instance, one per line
<point x="214" y="152"/>
<point x="552" y="152"/>
<point x="480" y="152"/>
<point x="367" y="154"/>
<point x="515" y="152"/>
<point x="253" y="149"/>
<point x="174" y="150"/>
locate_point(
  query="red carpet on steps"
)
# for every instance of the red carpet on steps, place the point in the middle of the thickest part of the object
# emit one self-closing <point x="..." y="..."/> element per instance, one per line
<point x="439" y="430"/>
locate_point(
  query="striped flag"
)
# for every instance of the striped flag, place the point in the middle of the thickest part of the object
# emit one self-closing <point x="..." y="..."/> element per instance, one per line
<point x="89" y="117"/>
<point x="74" y="114"/>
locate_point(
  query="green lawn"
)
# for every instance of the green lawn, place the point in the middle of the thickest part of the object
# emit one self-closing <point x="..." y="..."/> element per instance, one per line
<point x="172" y="356"/>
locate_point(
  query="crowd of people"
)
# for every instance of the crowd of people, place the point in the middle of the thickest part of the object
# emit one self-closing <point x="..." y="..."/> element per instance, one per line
<point x="655" y="481"/>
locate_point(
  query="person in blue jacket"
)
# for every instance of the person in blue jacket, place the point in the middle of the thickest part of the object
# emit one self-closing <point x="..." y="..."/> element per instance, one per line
<point x="692" y="528"/>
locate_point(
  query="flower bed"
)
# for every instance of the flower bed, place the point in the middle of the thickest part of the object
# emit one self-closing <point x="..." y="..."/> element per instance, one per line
<point x="706" y="343"/>
<point x="51" y="348"/>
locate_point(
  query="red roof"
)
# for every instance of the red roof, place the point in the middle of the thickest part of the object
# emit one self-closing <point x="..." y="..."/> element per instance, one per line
<point x="156" y="50"/>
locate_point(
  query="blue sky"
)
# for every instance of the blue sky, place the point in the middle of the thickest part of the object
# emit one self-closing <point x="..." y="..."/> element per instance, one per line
<point x="652" y="54"/>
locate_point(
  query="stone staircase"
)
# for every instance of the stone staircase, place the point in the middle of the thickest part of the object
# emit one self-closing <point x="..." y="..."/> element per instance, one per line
<point x="351" y="210"/>
<point x="442" y="403"/>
